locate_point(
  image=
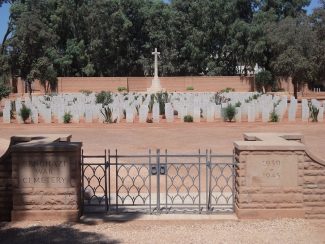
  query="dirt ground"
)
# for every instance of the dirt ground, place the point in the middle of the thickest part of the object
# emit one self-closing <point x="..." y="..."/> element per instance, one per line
<point x="162" y="231"/>
<point x="177" y="138"/>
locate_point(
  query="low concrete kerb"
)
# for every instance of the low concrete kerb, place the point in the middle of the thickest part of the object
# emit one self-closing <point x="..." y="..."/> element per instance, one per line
<point x="102" y="218"/>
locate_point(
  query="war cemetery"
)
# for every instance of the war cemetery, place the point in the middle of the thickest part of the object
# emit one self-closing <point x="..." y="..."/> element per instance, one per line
<point x="162" y="122"/>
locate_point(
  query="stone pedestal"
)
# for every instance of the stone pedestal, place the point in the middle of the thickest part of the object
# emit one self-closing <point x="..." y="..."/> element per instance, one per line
<point x="46" y="179"/>
<point x="155" y="86"/>
<point x="269" y="182"/>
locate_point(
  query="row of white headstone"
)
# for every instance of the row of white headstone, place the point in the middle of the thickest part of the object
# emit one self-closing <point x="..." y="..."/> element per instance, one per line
<point x="197" y="105"/>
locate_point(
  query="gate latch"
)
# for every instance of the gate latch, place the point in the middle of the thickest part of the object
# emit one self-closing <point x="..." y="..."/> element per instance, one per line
<point x="154" y="169"/>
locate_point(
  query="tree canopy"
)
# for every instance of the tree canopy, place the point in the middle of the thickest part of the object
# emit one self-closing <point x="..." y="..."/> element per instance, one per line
<point x="53" y="38"/>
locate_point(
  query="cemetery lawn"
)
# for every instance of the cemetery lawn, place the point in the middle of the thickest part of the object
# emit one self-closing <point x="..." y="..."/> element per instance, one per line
<point x="176" y="137"/>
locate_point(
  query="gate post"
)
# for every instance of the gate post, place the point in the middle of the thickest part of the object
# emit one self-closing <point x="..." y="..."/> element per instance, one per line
<point x="269" y="176"/>
<point x="158" y="181"/>
<point x="46" y="180"/>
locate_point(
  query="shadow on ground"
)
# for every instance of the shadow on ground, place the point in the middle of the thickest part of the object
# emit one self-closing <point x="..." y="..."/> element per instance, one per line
<point x="98" y="218"/>
<point x="64" y="233"/>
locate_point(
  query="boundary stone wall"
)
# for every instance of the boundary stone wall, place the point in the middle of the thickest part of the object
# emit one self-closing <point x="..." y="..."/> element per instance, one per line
<point x="140" y="84"/>
<point x="278" y="177"/>
<point x="45" y="181"/>
<point x="314" y="187"/>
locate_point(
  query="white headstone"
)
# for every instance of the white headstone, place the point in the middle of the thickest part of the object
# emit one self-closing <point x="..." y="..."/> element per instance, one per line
<point x="129" y="115"/>
<point x="155" y="113"/>
<point x="143" y="113"/>
<point x="238" y="114"/>
<point x="210" y="112"/>
<point x="169" y="112"/>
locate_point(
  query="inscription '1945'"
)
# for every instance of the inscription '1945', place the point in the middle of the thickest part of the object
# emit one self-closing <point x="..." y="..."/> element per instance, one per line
<point x="271" y="168"/>
<point x="44" y="173"/>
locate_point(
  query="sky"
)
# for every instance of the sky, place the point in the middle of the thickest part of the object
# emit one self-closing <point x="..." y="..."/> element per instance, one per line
<point x="4" y="15"/>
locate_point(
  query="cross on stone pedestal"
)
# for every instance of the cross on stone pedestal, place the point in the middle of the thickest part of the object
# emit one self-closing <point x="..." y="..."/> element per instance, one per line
<point x="156" y="53"/>
<point x="155" y="83"/>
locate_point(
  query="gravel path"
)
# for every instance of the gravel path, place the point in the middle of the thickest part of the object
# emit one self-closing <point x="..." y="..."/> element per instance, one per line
<point x="186" y="231"/>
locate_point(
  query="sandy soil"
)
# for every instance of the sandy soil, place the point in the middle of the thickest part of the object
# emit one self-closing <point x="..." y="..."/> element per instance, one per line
<point x="176" y="137"/>
<point x="177" y="231"/>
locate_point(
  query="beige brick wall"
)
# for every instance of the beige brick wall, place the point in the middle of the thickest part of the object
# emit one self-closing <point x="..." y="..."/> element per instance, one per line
<point x="96" y="84"/>
<point x="314" y="189"/>
<point x="36" y="203"/>
<point x="268" y="199"/>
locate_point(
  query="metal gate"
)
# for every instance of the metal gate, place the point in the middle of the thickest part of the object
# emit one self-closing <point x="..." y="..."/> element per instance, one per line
<point x="158" y="182"/>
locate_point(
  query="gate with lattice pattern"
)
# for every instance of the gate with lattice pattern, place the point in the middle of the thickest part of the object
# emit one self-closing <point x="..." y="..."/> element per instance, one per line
<point x="158" y="182"/>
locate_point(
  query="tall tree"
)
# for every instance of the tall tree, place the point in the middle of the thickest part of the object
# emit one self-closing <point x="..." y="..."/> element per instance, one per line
<point x="293" y="43"/>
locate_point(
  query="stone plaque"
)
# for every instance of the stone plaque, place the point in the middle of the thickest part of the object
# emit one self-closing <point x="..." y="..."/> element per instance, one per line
<point x="44" y="172"/>
<point x="272" y="170"/>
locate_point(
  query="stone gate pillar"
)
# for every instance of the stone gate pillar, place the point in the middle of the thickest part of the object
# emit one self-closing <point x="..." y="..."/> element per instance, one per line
<point x="46" y="178"/>
<point x="269" y="176"/>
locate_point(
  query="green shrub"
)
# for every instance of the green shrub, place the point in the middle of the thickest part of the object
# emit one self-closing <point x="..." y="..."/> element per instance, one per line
<point x="67" y="117"/>
<point x="256" y="96"/>
<point x="104" y="97"/>
<point x="121" y="89"/>
<point x="238" y="104"/>
<point x="4" y="90"/>
<point x="188" y="118"/>
<point x="151" y="102"/>
<point x="24" y="113"/>
<point x="219" y="99"/>
<point x="274" y="117"/>
<point x="228" y="89"/>
<point x="86" y="92"/>
<point x="229" y="112"/>
<point x="108" y="115"/>
<point x="313" y="112"/>
<point x="265" y="79"/>
<point x="162" y="98"/>
<point x="12" y="110"/>
<point x="189" y="88"/>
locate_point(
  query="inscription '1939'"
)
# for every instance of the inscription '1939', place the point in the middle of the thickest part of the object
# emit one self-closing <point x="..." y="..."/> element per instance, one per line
<point x="271" y="168"/>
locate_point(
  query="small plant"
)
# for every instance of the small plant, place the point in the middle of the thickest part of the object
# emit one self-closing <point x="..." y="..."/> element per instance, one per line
<point x="86" y="92"/>
<point x="12" y="110"/>
<point x="189" y="88"/>
<point x="151" y="102"/>
<point x="238" y="104"/>
<point x="274" y="117"/>
<point x="121" y="89"/>
<point x="162" y="98"/>
<point x="228" y="89"/>
<point x="104" y="97"/>
<point x="219" y="99"/>
<point x="188" y="118"/>
<point x="313" y="112"/>
<point x="67" y="117"/>
<point x="108" y="115"/>
<point x="25" y="113"/>
<point x="229" y="112"/>
<point x="256" y="96"/>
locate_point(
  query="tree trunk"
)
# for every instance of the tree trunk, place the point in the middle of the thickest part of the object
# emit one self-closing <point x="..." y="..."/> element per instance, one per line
<point x="295" y="89"/>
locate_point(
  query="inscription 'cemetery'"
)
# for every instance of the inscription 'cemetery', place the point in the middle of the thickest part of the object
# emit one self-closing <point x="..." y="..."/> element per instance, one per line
<point x="36" y="173"/>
